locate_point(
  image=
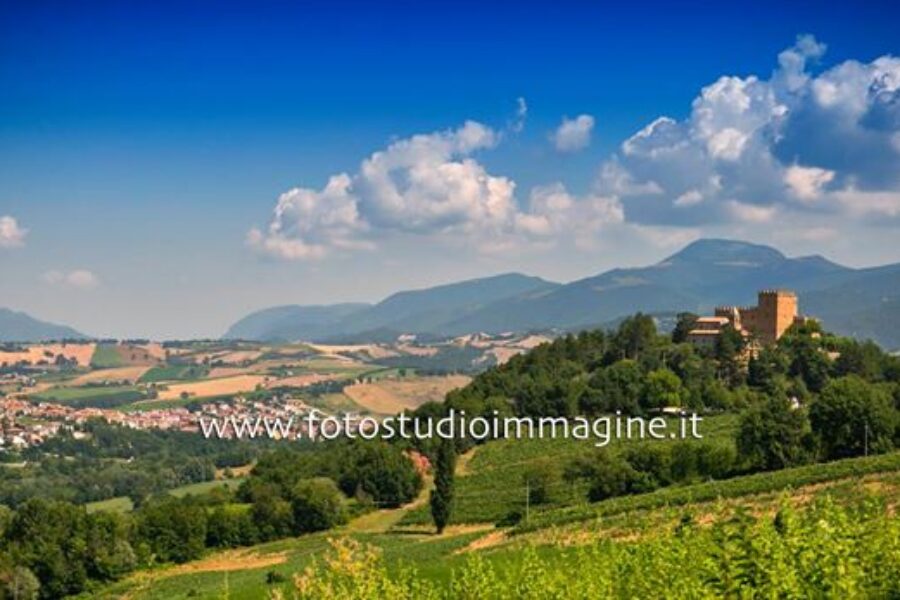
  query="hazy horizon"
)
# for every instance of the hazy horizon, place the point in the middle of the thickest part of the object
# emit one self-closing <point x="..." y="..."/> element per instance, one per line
<point x="164" y="174"/>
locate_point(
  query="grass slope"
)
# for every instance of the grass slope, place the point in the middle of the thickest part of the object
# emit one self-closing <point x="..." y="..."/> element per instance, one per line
<point x="243" y="574"/>
<point x="106" y="356"/>
<point x="493" y="483"/>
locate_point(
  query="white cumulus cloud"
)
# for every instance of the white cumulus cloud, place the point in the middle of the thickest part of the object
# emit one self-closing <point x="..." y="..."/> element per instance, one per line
<point x="573" y="134"/>
<point x="555" y="214"/>
<point x="424" y="184"/>
<point x="78" y="278"/>
<point x="751" y="145"/>
<point x="12" y="235"/>
<point x="806" y="183"/>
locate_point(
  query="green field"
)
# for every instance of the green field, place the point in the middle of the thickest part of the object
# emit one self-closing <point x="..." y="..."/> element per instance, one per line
<point x="96" y="396"/>
<point x="120" y="504"/>
<point x="206" y="486"/>
<point x="124" y="504"/>
<point x="174" y="373"/>
<point x="107" y="356"/>
<point x="327" y="366"/>
<point x="738" y="487"/>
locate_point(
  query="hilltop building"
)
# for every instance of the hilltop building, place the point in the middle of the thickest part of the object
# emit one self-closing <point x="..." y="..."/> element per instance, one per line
<point x="775" y="312"/>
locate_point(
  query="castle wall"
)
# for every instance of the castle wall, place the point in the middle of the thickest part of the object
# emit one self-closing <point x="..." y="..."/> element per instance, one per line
<point x="773" y="314"/>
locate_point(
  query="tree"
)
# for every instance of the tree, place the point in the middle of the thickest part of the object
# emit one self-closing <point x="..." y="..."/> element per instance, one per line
<point x="442" y="495"/>
<point x="863" y="359"/>
<point x="109" y="553"/>
<point x="773" y="434"/>
<point x="728" y="351"/>
<point x="48" y="538"/>
<point x="662" y="388"/>
<point x="540" y="478"/>
<point x="611" y="476"/>
<point x="273" y="516"/>
<point x="808" y="362"/>
<point x="317" y="505"/>
<point x="617" y="387"/>
<point x="766" y="368"/>
<point x="851" y="417"/>
<point x="380" y="471"/>
<point x="174" y="529"/>
<point x="22" y="585"/>
<point x="635" y="335"/>
<point x="683" y="326"/>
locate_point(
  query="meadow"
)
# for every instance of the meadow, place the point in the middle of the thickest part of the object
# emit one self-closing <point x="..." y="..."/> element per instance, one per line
<point x="175" y="373"/>
<point x="107" y="356"/>
<point x="124" y="504"/>
<point x="93" y="395"/>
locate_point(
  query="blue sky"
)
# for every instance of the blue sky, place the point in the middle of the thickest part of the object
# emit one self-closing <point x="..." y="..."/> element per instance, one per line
<point x="143" y="147"/>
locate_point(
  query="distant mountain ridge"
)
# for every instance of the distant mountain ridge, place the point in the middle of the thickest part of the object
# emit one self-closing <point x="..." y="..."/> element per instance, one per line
<point x="421" y="311"/>
<point x="707" y="273"/>
<point x="21" y="327"/>
<point x="285" y="323"/>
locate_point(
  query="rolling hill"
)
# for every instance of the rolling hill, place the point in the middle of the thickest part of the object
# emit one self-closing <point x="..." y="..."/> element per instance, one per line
<point x="291" y="322"/>
<point x="422" y="311"/>
<point x="864" y="303"/>
<point x="20" y="327"/>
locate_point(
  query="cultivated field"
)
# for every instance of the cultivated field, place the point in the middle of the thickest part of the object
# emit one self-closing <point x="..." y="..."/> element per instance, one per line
<point x="214" y="387"/>
<point x="47" y="353"/>
<point x="95" y="395"/>
<point x="131" y="374"/>
<point x="120" y="355"/>
<point x="389" y="396"/>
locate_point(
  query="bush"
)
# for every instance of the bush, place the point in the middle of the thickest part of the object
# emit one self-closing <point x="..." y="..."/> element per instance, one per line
<point x="774" y="435"/>
<point x="541" y="477"/>
<point x="174" y="529"/>
<point x="851" y="416"/>
<point x="317" y="505"/>
<point x="611" y="477"/>
<point x="380" y="471"/>
<point x="663" y="388"/>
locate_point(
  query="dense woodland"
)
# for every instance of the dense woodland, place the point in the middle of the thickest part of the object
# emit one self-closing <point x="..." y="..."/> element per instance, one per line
<point x="813" y="397"/>
<point x="110" y="461"/>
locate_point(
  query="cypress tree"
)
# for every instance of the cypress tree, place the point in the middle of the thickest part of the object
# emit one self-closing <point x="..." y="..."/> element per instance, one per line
<point x="442" y="494"/>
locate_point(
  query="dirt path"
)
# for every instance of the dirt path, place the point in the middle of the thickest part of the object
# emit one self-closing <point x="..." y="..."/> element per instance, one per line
<point x="462" y="462"/>
<point x="381" y="521"/>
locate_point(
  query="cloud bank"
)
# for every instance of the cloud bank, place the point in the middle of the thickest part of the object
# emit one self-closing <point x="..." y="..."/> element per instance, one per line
<point x="753" y="153"/>
<point x="428" y="184"/>
<point x="754" y="149"/>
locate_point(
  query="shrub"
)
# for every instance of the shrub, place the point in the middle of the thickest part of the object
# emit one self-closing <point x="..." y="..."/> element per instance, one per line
<point x="317" y="505"/>
<point x="773" y="435"/>
<point x="851" y="416"/>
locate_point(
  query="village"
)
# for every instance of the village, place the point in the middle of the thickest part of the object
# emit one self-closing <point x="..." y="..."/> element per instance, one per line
<point x="24" y="424"/>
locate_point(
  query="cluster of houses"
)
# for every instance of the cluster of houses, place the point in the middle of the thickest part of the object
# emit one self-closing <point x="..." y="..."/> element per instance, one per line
<point x="24" y="424"/>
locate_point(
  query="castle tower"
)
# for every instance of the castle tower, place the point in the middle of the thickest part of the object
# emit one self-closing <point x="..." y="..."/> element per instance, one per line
<point x="776" y="310"/>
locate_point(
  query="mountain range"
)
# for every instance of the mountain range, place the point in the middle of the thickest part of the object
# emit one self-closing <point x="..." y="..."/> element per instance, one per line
<point x="863" y="303"/>
<point x="20" y="327"/>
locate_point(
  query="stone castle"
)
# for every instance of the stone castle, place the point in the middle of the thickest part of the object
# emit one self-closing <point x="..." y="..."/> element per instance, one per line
<point x="775" y="312"/>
